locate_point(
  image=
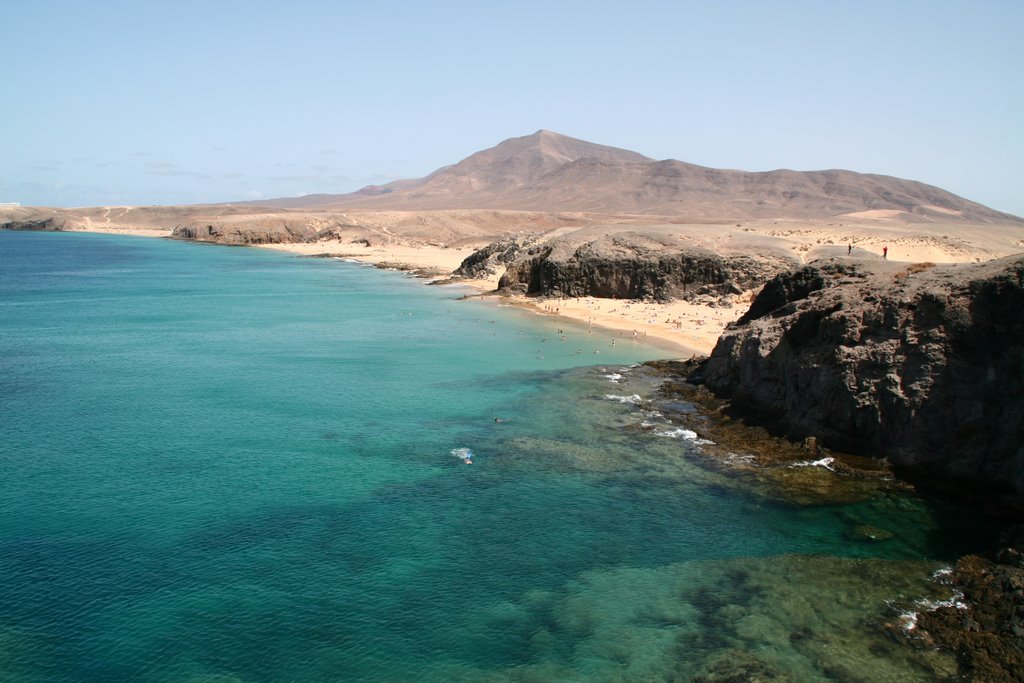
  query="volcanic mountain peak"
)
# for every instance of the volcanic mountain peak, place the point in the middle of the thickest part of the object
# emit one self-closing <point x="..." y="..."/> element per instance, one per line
<point x="550" y="172"/>
<point x="517" y="161"/>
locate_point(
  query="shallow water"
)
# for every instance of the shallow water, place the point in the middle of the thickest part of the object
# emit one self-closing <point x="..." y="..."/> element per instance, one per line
<point x="226" y="463"/>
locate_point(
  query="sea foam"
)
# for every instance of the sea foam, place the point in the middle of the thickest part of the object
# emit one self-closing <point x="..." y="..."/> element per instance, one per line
<point x="824" y="462"/>
<point x="463" y="454"/>
<point x="633" y="399"/>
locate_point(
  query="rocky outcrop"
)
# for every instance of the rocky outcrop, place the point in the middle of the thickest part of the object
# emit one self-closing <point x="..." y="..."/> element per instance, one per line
<point x="635" y="265"/>
<point x="984" y="622"/>
<point x="244" y="233"/>
<point x="496" y="255"/>
<point x="50" y="223"/>
<point x="923" y="365"/>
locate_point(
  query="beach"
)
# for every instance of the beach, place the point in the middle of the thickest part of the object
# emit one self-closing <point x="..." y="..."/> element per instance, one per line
<point x="682" y="327"/>
<point x="399" y="240"/>
<point x="255" y="457"/>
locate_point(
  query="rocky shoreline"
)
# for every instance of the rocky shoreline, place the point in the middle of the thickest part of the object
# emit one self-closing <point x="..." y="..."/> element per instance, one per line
<point x="921" y="365"/>
<point x="915" y="367"/>
<point x="980" y="621"/>
<point x="872" y="364"/>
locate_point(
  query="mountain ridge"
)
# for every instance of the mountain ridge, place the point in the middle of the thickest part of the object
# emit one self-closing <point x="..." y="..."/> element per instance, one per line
<point x="548" y="171"/>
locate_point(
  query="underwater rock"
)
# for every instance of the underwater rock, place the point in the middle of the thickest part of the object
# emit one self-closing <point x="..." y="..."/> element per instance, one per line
<point x="866" y="532"/>
<point x="986" y="630"/>
<point x="784" y="618"/>
<point x="773" y="467"/>
<point x="739" y="666"/>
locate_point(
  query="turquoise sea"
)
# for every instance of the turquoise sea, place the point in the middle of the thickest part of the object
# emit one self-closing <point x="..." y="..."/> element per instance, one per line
<point x="231" y="464"/>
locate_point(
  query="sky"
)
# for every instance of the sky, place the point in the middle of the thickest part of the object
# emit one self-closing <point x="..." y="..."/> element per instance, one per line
<point x="110" y="103"/>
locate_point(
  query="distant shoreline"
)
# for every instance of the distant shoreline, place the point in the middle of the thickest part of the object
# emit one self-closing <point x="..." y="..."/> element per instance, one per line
<point x="680" y="327"/>
<point x="614" y="320"/>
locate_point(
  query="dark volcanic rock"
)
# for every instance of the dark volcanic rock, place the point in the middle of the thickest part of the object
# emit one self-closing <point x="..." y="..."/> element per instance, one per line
<point x="250" y="232"/>
<point x="635" y="265"/>
<point x="50" y="223"/>
<point x="486" y="261"/>
<point x="985" y="628"/>
<point x="922" y="365"/>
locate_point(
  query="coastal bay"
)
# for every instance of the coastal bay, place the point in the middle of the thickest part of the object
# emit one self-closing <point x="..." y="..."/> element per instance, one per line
<point x="253" y="455"/>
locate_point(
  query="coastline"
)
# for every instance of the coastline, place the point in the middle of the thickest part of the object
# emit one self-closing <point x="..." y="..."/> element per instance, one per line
<point x="682" y="328"/>
<point x="655" y="324"/>
<point x="109" y="230"/>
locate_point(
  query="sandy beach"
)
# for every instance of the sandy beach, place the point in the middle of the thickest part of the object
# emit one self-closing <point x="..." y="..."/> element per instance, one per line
<point x="682" y="328"/>
<point x="121" y="230"/>
<point x="686" y="328"/>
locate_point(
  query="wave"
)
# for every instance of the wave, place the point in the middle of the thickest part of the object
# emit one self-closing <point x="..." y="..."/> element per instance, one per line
<point x="740" y="459"/>
<point x="632" y="400"/>
<point x="908" y="618"/>
<point x="679" y="433"/>
<point x="824" y="462"/>
<point x="689" y="435"/>
<point x="463" y="454"/>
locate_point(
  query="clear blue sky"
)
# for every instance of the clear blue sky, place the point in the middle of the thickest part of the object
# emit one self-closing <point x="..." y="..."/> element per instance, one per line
<point x="186" y="102"/>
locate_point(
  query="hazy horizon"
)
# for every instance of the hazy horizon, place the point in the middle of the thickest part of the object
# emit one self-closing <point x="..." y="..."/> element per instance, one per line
<point x="238" y="101"/>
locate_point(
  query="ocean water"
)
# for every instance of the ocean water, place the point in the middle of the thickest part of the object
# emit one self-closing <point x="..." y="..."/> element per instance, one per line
<point x="231" y="464"/>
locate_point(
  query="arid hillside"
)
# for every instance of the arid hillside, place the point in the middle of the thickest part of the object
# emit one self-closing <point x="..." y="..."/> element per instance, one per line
<point x="551" y="172"/>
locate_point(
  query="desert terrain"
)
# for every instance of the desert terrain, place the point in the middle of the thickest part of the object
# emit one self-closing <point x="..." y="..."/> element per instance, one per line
<point x="613" y="205"/>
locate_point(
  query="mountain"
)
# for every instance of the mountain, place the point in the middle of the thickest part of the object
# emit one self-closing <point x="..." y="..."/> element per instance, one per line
<point x="550" y="172"/>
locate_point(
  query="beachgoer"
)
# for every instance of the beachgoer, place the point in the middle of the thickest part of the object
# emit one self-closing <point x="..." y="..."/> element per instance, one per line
<point x="885" y="252"/>
<point x="849" y="249"/>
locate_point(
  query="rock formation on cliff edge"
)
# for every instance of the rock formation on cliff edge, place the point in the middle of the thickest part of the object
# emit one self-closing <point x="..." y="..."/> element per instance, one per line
<point x="637" y="264"/>
<point x="923" y="365"/>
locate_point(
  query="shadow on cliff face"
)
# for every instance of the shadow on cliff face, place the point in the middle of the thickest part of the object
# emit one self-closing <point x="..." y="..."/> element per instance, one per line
<point x="806" y="473"/>
<point x="920" y="365"/>
<point x="628" y="265"/>
<point x="979" y="624"/>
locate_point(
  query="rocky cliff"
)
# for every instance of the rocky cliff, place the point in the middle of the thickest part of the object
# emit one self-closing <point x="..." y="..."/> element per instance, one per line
<point x="923" y="365"/>
<point x="495" y="256"/>
<point x="245" y="233"/>
<point x="48" y="224"/>
<point x="635" y="265"/>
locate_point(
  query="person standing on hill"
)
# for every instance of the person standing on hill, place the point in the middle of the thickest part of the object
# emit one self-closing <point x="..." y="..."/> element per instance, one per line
<point x="885" y="252"/>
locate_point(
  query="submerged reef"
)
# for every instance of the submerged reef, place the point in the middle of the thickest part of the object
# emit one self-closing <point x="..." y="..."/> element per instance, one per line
<point x="915" y="369"/>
